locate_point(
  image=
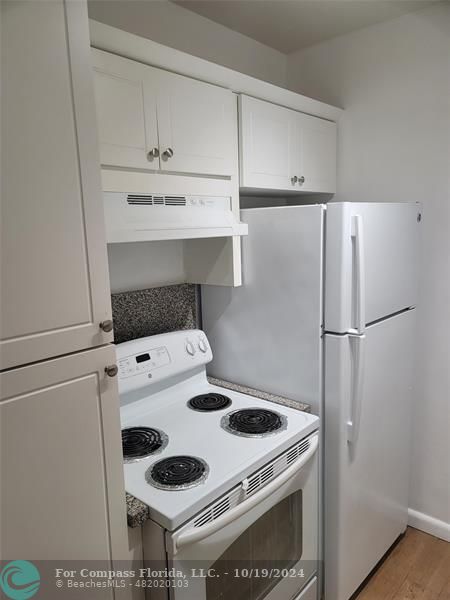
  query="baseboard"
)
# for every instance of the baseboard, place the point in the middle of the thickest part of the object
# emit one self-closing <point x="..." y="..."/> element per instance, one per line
<point x="430" y="525"/>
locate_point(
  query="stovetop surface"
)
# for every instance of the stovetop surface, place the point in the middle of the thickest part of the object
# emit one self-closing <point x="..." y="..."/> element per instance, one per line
<point x="230" y="458"/>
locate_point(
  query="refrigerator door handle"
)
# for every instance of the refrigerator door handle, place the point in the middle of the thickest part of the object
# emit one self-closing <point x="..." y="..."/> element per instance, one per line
<point x="357" y="347"/>
<point x="357" y="233"/>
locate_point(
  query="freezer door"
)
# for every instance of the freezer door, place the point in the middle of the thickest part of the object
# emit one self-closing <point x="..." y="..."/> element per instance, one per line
<point x="266" y="334"/>
<point x="371" y="262"/>
<point x="366" y="448"/>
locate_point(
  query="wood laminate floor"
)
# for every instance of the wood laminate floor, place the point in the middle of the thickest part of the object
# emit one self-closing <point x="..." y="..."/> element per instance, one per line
<point x="418" y="568"/>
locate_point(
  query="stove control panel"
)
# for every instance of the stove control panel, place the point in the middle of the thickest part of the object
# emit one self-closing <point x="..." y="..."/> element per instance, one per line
<point x="152" y="359"/>
<point x="144" y="362"/>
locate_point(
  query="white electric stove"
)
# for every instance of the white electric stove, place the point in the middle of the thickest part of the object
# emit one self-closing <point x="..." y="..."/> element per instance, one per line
<point x="207" y="460"/>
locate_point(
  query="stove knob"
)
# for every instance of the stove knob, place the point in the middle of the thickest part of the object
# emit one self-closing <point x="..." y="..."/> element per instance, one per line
<point x="202" y="346"/>
<point x="190" y="348"/>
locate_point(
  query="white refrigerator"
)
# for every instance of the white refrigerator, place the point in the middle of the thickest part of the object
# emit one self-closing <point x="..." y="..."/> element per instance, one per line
<point x="325" y="315"/>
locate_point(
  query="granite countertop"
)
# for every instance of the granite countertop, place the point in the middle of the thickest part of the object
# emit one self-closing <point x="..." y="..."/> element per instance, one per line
<point x="259" y="394"/>
<point x="138" y="512"/>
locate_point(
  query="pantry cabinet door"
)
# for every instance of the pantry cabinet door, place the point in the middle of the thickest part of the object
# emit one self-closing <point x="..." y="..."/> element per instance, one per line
<point x="126" y="112"/>
<point x="316" y="140"/>
<point x="61" y="465"/>
<point x="54" y="270"/>
<point x="195" y="125"/>
<point x="268" y="145"/>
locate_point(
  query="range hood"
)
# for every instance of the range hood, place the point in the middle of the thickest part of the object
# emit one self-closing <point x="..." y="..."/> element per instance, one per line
<point x="149" y="217"/>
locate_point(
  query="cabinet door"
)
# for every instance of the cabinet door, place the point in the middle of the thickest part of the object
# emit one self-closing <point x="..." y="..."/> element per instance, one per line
<point x="195" y="125"/>
<point x="63" y="492"/>
<point x="126" y="112"/>
<point x="54" y="270"/>
<point x="268" y="145"/>
<point x="316" y="139"/>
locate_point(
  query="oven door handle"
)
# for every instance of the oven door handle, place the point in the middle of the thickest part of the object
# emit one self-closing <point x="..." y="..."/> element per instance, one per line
<point x="195" y="534"/>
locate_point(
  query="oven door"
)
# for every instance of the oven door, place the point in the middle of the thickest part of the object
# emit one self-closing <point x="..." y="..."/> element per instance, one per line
<point x="253" y="545"/>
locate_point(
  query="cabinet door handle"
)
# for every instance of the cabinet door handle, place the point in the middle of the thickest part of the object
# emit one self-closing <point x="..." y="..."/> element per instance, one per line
<point x="106" y="326"/>
<point x="294" y="179"/>
<point x="111" y="370"/>
<point x="154" y="153"/>
<point x="301" y="179"/>
<point x="168" y="153"/>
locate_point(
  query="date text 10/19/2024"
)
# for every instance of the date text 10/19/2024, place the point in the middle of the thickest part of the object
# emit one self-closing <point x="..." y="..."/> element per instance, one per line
<point x="148" y="573"/>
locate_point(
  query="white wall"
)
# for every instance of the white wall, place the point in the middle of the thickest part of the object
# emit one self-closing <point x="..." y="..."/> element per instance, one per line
<point x="142" y="265"/>
<point x="393" y="79"/>
<point x="177" y="27"/>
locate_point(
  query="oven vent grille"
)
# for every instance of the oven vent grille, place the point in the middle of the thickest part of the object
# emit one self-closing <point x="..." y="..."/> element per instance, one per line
<point x="152" y="200"/>
<point x="255" y="482"/>
<point x="217" y="509"/>
<point x="275" y="468"/>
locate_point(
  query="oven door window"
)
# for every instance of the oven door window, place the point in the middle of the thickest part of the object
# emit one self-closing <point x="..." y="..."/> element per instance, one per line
<point x="273" y="543"/>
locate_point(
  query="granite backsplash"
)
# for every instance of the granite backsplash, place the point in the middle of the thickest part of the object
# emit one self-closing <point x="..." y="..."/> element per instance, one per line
<point x="156" y="310"/>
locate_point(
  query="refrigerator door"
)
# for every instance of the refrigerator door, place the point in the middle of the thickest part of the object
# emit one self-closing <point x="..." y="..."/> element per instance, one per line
<point x="266" y="334"/>
<point x="371" y="262"/>
<point x="368" y="396"/>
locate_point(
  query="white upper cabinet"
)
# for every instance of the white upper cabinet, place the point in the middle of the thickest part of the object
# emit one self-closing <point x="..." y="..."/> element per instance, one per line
<point x="126" y="113"/>
<point x="316" y="139"/>
<point x="54" y="270"/>
<point x="281" y="149"/>
<point x="195" y="123"/>
<point x="268" y="152"/>
<point x="155" y="120"/>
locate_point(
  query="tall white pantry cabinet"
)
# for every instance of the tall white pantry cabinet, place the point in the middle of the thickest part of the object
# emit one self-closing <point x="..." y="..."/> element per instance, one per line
<point x="62" y="490"/>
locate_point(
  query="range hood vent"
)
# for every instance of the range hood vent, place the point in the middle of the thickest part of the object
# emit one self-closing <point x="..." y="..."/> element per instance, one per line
<point x="150" y="217"/>
<point x="151" y="200"/>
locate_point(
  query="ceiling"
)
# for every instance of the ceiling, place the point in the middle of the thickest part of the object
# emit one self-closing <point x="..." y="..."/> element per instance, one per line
<point x="290" y="25"/>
